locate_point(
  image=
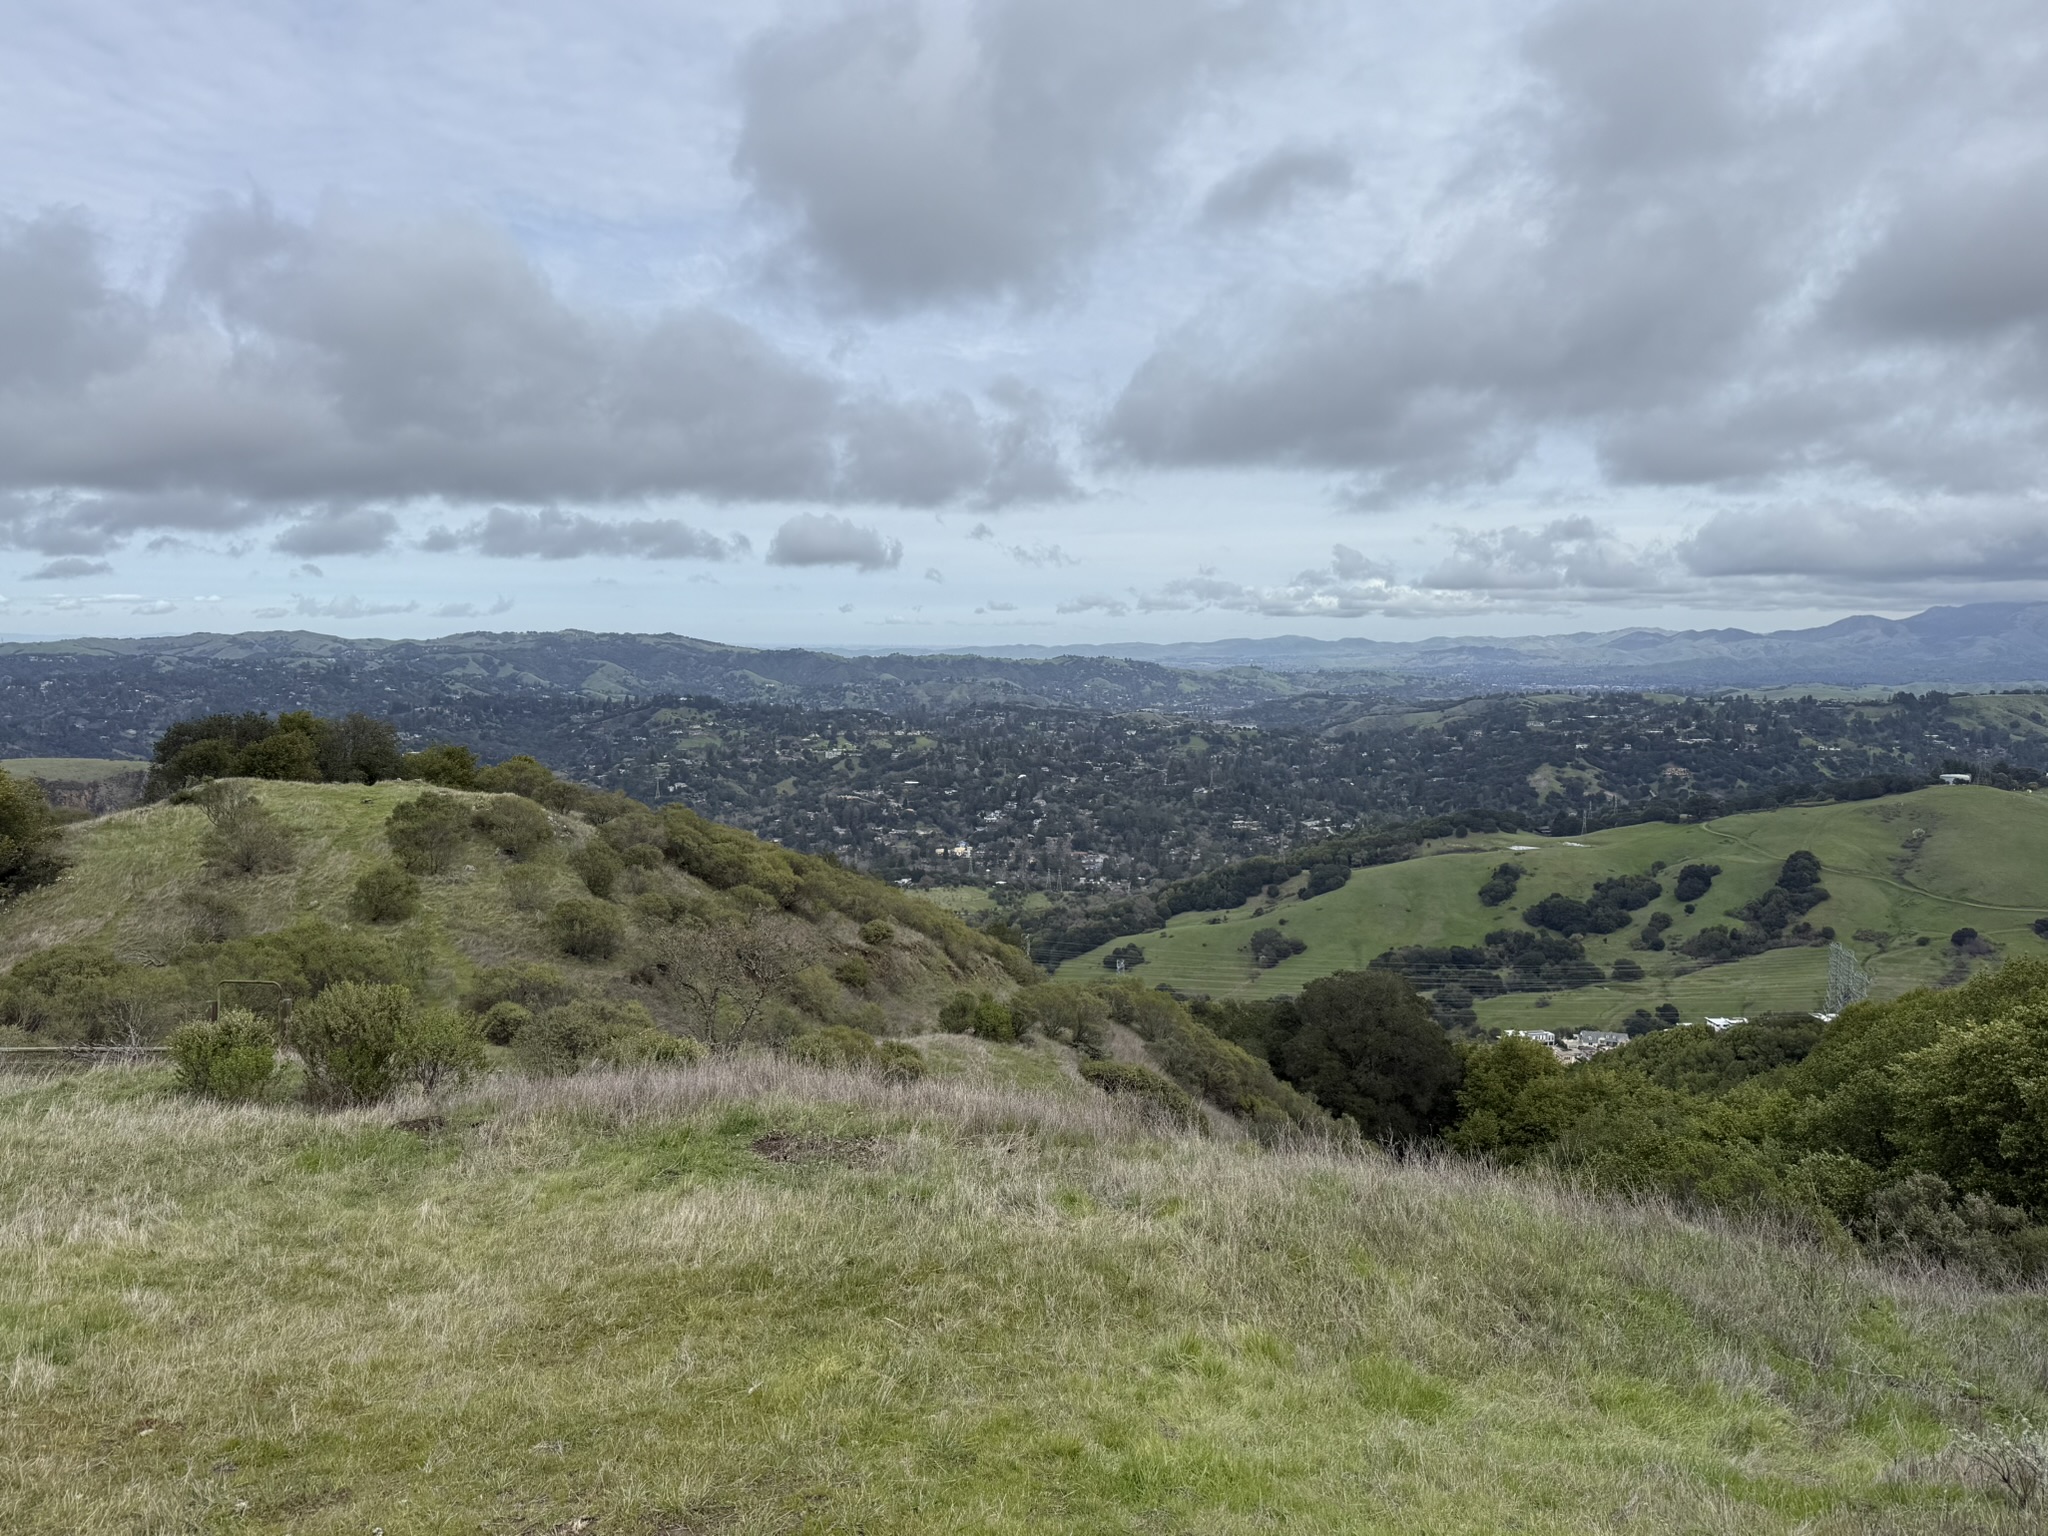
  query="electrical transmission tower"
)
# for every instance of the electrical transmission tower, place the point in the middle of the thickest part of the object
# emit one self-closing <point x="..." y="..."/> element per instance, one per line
<point x="1848" y="982"/>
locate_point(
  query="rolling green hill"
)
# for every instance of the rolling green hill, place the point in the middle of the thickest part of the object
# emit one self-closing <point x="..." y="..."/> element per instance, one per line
<point x="1898" y="870"/>
<point x="138" y="894"/>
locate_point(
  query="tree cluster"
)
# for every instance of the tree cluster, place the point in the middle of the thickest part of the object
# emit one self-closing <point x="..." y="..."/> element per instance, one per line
<point x="297" y="745"/>
<point x="1915" y="1125"/>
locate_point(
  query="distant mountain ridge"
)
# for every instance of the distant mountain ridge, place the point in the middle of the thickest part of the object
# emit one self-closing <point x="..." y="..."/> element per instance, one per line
<point x="1977" y="643"/>
<point x="102" y="697"/>
<point x="96" y="697"/>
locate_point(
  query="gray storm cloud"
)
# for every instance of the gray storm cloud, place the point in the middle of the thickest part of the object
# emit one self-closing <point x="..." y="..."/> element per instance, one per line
<point x="932" y="152"/>
<point x="819" y="538"/>
<point x="1269" y="184"/>
<point x="1721" y="245"/>
<point x="345" y="367"/>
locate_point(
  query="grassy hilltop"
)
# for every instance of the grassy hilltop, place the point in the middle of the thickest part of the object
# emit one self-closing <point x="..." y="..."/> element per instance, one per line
<point x="754" y="1297"/>
<point x="140" y="895"/>
<point x="1905" y="867"/>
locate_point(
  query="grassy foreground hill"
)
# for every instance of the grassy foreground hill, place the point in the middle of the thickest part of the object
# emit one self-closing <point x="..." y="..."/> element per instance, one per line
<point x="748" y="1296"/>
<point x="1899" y="870"/>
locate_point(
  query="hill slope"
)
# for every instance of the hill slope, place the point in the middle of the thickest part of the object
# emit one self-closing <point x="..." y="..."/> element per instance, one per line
<point x="747" y="1297"/>
<point x="1904" y="867"/>
<point x="150" y="931"/>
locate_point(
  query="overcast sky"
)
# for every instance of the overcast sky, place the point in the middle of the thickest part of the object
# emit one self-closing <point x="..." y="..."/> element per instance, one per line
<point x="989" y="321"/>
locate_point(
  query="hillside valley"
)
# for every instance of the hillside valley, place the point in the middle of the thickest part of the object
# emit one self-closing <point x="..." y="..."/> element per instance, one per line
<point x="1903" y="874"/>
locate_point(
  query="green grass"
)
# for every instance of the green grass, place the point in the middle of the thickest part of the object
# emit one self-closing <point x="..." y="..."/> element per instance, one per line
<point x="1981" y="864"/>
<point x="72" y="770"/>
<point x="751" y="1298"/>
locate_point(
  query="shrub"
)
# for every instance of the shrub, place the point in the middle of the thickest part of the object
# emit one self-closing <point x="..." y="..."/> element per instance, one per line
<point x="1324" y="878"/>
<point x="288" y="755"/>
<point x="426" y="834"/>
<point x="1626" y="969"/>
<point x="442" y="1050"/>
<point x="233" y="1057"/>
<point x="513" y="825"/>
<point x="526" y="776"/>
<point x="503" y="1022"/>
<point x="977" y="1013"/>
<point x="1075" y="1016"/>
<point x="353" y="1039"/>
<point x="311" y="955"/>
<point x="854" y="972"/>
<point x="881" y="933"/>
<point x="450" y="766"/>
<point x="1368" y="1048"/>
<point x="529" y="887"/>
<point x="598" y="865"/>
<point x="384" y="893"/>
<point x="1962" y="937"/>
<point x="839" y="1045"/>
<point x="586" y="929"/>
<point x="1127" y="1080"/>
<point x="1123" y="957"/>
<point x="1694" y="881"/>
<point x="27" y="835"/>
<point x="1500" y="885"/>
<point x="580" y="1034"/>
<point x="1269" y="946"/>
<point x="216" y="916"/>
<point x="533" y="987"/>
<point x="1563" y="914"/>
<point x="242" y="838"/>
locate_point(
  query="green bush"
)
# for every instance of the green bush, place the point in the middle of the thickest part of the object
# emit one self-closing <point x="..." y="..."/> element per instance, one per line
<point x="354" y="1039"/>
<point x="442" y="1050"/>
<point x="384" y="893"/>
<point x="598" y="865"/>
<point x="503" y="1022"/>
<point x="242" y="836"/>
<point x="1074" y="1016"/>
<point x="514" y="826"/>
<point x="1214" y="1069"/>
<point x="1368" y="1047"/>
<point x="311" y="955"/>
<point x="854" y="972"/>
<point x="215" y="914"/>
<point x="1126" y="1080"/>
<point x="534" y="987"/>
<point x="427" y="834"/>
<point x="28" y="835"/>
<point x="232" y="1058"/>
<point x="530" y="887"/>
<point x="445" y="764"/>
<point x="526" y="776"/>
<point x="977" y="1013"/>
<point x="288" y="755"/>
<point x="840" y="1045"/>
<point x="880" y="933"/>
<point x="598" y="1032"/>
<point x="586" y="929"/>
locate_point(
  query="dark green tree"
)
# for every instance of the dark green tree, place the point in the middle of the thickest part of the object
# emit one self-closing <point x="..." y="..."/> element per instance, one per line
<point x="1368" y="1047"/>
